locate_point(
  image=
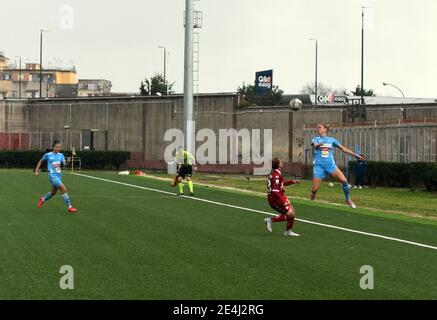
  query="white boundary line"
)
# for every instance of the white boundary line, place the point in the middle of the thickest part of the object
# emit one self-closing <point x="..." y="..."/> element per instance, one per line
<point x="262" y="212"/>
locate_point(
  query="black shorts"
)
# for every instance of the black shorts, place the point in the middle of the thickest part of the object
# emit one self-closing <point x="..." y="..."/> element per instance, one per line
<point x="185" y="171"/>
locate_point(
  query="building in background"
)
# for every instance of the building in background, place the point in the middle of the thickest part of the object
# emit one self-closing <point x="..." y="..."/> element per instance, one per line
<point x="5" y="85"/>
<point x="94" y="88"/>
<point x="4" y="62"/>
<point x="56" y="82"/>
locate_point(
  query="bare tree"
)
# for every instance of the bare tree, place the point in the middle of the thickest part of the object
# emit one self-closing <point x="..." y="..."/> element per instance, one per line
<point x="342" y="92"/>
<point x="322" y="89"/>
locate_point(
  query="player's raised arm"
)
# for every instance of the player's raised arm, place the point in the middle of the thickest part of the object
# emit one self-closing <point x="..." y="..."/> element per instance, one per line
<point x="290" y="182"/>
<point x="350" y="152"/>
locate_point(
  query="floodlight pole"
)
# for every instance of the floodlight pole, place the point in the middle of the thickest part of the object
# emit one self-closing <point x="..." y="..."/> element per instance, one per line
<point x="188" y="78"/>
<point x="165" y="68"/>
<point x="19" y="80"/>
<point x="40" y="63"/>
<point x="316" y="80"/>
<point x="362" y="53"/>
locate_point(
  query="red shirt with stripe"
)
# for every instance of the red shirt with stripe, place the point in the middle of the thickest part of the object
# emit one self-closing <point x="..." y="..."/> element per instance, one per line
<point x="276" y="182"/>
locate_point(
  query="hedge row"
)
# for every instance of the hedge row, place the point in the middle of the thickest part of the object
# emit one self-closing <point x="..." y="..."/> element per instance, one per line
<point x="89" y="159"/>
<point x="402" y="175"/>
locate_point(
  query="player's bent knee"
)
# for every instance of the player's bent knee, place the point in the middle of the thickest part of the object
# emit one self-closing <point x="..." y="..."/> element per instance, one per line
<point x="291" y="213"/>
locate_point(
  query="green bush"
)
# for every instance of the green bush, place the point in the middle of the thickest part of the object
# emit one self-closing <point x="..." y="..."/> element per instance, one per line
<point x="19" y="159"/>
<point x="400" y="175"/>
<point x="90" y="159"/>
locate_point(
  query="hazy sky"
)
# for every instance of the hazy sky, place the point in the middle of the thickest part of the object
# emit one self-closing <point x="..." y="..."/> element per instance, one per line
<point x="118" y="40"/>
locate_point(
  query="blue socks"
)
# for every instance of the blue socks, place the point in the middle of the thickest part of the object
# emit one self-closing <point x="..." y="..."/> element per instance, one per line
<point x="48" y="196"/>
<point x="66" y="200"/>
<point x="346" y="190"/>
<point x="65" y="196"/>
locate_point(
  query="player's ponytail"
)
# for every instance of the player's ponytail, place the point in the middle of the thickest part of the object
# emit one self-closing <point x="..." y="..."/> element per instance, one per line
<point x="326" y="125"/>
<point x="275" y="163"/>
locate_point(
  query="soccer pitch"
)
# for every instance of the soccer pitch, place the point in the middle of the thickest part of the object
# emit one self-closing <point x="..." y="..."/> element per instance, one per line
<point x="134" y="239"/>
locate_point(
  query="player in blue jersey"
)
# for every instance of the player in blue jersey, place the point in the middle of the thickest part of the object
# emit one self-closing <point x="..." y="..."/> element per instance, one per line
<point x="55" y="160"/>
<point x="324" y="162"/>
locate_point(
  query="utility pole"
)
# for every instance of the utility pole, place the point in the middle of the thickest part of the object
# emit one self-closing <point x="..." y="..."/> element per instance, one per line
<point x="40" y="63"/>
<point x="188" y="78"/>
<point x="165" y="68"/>
<point x="316" y="82"/>
<point x="362" y="53"/>
<point x="19" y="80"/>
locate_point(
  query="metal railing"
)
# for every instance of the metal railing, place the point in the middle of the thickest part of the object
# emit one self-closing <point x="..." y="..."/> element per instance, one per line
<point x="377" y="123"/>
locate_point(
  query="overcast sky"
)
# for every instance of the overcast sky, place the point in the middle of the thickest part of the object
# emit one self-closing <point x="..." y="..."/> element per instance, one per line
<point x="118" y="41"/>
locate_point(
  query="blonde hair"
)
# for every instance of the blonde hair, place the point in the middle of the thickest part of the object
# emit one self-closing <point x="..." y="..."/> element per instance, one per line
<point x="326" y="125"/>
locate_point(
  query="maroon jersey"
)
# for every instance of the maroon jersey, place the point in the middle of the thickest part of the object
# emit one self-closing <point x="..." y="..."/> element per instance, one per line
<point x="276" y="183"/>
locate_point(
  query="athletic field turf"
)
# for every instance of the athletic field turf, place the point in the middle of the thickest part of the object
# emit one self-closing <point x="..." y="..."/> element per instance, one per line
<point x="144" y="242"/>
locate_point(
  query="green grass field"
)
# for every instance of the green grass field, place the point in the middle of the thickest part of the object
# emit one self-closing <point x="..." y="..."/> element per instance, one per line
<point x="405" y="201"/>
<point x="132" y="243"/>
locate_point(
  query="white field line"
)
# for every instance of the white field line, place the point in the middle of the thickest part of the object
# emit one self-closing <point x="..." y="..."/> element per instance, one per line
<point x="417" y="244"/>
<point x="257" y="193"/>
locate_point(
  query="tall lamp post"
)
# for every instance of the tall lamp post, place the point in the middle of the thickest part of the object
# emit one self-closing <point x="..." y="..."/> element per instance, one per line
<point x="40" y="63"/>
<point x="392" y="85"/>
<point x="362" y="53"/>
<point x="316" y="81"/>
<point x="19" y="79"/>
<point x="165" y="68"/>
<point x="188" y="78"/>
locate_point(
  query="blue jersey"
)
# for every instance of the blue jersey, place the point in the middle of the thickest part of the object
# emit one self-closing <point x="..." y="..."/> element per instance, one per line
<point x="54" y="162"/>
<point x="325" y="153"/>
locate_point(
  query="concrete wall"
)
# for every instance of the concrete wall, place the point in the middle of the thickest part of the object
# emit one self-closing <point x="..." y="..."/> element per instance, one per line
<point x="277" y="120"/>
<point x="392" y="143"/>
<point x="138" y="124"/>
<point x="14" y="116"/>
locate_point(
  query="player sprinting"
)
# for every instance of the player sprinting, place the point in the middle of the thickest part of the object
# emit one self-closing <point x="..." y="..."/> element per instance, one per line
<point x="324" y="162"/>
<point x="278" y="200"/>
<point x="55" y="159"/>
<point x="185" y="162"/>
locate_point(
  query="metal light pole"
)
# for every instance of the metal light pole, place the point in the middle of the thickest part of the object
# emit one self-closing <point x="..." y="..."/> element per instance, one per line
<point x="40" y="63"/>
<point x="392" y="85"/>
<point x="165" y="68"/>
<point x="188" y="78"/>
<point x="167" y="73"/>
<point x="19" y="80"/>
<point x="362" y="53"/>
<point x="316" y="81"/>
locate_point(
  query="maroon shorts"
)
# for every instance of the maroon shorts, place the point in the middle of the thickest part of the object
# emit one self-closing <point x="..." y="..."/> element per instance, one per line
<point x="279" y="202"/>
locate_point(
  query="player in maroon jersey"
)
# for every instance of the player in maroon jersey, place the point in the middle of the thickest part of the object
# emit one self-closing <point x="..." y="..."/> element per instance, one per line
<point x="278" y="200"/>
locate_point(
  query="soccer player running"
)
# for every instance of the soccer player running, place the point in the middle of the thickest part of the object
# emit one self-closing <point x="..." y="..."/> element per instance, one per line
<point x="324" y="162"/>
<point x="54" y="161"/>
<point x="278" y="200"/>
<point x="185" y="163"/>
